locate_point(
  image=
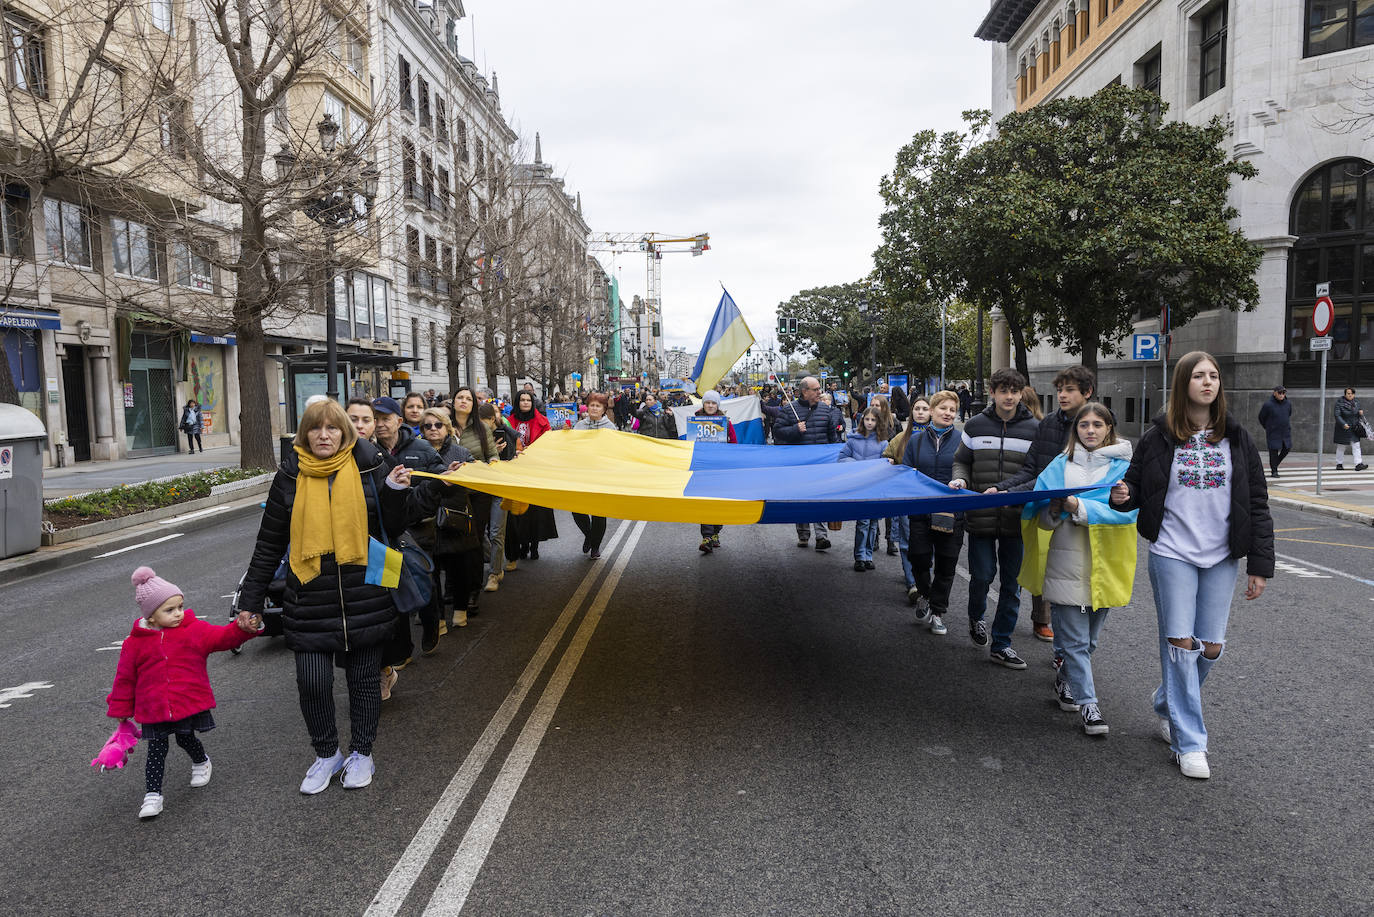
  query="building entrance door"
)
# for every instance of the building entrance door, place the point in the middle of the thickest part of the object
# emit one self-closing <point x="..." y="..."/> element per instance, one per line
<point x="74" y="385"/>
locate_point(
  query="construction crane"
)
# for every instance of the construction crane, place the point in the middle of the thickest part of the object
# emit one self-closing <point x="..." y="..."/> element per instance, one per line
<point x="654" y="246"/>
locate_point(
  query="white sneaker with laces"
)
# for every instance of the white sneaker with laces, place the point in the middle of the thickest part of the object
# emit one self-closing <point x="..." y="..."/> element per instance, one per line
<point x="152" y="806"/>
<point x="937" y="626"/>
<point x="922" y="607"/>
<point x="1194" y="764"/>
<point x="200" y="773"/>
<point x="320" y="773"/>
<point x="358" y="771"/>
<point x="1165" y="732"/>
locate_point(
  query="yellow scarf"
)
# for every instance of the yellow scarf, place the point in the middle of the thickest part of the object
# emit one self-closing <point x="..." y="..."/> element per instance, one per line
<point x="327" y="520"/>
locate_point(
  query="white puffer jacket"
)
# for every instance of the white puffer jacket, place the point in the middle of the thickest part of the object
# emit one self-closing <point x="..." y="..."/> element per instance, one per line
<point x="1069" y="564"/>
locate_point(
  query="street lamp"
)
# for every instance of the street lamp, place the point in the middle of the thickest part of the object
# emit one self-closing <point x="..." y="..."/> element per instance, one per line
<point x="333" y="206"/>
<point x="871" y="318"/>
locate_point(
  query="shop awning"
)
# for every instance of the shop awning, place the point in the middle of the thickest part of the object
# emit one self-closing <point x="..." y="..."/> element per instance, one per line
<point x="29" y="319"/>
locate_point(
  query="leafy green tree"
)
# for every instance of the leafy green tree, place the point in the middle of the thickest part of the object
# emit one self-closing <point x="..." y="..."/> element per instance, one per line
<point x="1078" y="217"/>
<point x="829" y="325"/>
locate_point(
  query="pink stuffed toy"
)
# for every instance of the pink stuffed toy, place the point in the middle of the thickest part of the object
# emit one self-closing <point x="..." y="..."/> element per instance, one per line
<point x="116" y="750"/>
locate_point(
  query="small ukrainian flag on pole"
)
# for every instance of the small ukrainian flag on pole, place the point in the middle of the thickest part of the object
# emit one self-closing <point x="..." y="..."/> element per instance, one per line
<point x="726" y="341"/>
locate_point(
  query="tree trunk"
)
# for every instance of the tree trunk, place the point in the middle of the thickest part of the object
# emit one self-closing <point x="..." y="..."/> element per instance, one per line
<point x="1088" y="346"/>
<point x="9" y="393"/>
<point x="1018" y="345"/>
<point x="256" y="449"/>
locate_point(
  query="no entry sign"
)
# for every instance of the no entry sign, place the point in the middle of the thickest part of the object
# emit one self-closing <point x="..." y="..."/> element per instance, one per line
<point x="1323" y="314"/>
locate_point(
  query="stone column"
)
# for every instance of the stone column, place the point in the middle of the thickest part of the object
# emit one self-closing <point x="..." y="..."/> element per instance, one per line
<point x="103" y="448"/>
<point x="1001" y="341"/>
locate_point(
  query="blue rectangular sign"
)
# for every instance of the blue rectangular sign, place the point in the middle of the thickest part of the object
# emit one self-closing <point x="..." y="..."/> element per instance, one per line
<point x="1145" y="346"/>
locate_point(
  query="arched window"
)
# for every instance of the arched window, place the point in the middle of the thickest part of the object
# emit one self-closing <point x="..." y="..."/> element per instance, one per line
<point x="1333" y="218"/>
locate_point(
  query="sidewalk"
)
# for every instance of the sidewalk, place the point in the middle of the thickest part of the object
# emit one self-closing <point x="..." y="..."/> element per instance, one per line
<point x="1346" y="494"/>
<point x="84" y="477"/>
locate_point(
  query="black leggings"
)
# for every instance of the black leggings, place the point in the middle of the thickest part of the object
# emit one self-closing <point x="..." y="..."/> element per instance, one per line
<point x="189" y="446"/>
<point x="462" y="575"/>
<point x="315" y="684"/>
<point x="593" y="527"/>
<point x="157" y="757"/>
<point x="1276" y="456"/>
<point x="936" y="589"/>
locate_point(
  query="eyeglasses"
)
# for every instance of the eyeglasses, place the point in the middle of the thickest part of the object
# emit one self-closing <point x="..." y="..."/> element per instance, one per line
<point x="432" y="426"/>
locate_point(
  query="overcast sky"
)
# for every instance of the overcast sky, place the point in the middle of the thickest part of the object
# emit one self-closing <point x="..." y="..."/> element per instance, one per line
<point x="767" y="124"/>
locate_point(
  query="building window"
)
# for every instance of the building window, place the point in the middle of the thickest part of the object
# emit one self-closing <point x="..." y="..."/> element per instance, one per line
<point x="433" y="348"/>
<point x="444" y="190"/>
<point x="1336" y="25"/>
<point x="381" y="294"/>
<point x="171" y="126"/>
<point x="413" y="256"/>
<point x="1212" y="74"/>
<point x="407" y="98"/>
<point x="415" y="338"/>
<point x="356" y="53"/>
<point x="1333" y="217"/>
<point x="445" y="268"/>
<point x="462" y="140"/>
<point x="132" y="246"/>
<point x="161" y="12"/>
<point x="411" y="187"/>
<point x="26" y="43"/>
<point x="427" y="177"/>
<point x="68" y="232"/>
<point x="1151" y="72"/>
<point x="422" y="85"/>
<point x="191" y="267"/>
<point x="431" y="263"/>
<point x="481" y="157"/>
<point x="440" y="118"/>
<point x="14" y="221"/>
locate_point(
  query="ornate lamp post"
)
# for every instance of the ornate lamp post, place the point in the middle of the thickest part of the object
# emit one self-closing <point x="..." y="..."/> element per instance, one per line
<point x="336" y="192"/>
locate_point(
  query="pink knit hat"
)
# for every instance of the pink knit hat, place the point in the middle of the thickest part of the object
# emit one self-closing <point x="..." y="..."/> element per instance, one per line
<point x="151" y="590"/>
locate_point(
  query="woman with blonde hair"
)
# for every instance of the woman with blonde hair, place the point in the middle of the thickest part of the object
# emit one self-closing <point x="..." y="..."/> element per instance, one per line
<point x="330" y="495"/>
<point x="447" y="531"/>
<point x="935" y="538"/>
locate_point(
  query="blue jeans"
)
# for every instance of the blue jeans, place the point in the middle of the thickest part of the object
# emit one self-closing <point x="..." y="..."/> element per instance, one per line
<point x="496" y="531"/>
<point x="1190" y="602"/>
<point x="865" y="538"/>
<point x="901" y="534"/>
<point x="987" y="554"/>
<point x="1076" y="629"/>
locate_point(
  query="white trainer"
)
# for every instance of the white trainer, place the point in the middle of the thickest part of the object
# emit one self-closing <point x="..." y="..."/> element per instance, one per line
<point x="1194" y="764"/>
<point x="320" y="773"/>
<point x="152" y="806"/>
<point x="937" y="626"/>
<point x="358" y="771"/>
<point x="200" y="773"/>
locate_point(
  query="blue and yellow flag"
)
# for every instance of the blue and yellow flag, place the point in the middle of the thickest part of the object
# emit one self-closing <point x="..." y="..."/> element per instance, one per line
<point x="726" y="341"/>
<point x="627" y="476"/>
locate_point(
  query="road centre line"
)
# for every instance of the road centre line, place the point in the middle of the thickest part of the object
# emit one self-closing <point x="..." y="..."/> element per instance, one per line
<point x="1308" y="563"/>
<point x="1333" y="544"/>
<point x="135" y="547"/>
<point x="420" y="850"/>
<point x="461" y="874"/>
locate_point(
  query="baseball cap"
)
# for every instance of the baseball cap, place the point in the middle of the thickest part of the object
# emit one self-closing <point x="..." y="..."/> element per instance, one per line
<point x="1280" y="390"/>
<point x="386" y="405"/>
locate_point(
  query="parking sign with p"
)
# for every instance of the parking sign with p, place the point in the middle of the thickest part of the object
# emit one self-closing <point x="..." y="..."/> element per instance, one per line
<point x="1145" y="347"/>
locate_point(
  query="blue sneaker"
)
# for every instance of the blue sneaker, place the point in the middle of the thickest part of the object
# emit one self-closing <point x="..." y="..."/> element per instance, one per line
<point x="320" y="773"/>
<point x="358" y="771"/>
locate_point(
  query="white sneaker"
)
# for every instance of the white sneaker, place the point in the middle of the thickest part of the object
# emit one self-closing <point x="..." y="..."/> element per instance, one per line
<point x="1194" y="764"/>
<point x="493" y="583"/>
<point x="152" y="806"/>
<point x="922" y="607"/>
<point x="200" y="773"/>
<point x="1164" y="731"/>
<point x="937" y="626"/>
<point x="320" y="773"/>
<point x="358" y="771"/>
<point x="389" y="678"/>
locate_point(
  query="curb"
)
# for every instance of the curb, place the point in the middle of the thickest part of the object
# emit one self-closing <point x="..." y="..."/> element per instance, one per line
<point x="219" y="495"/>
<point x="53" y="557"/>
<point x="1337" y="511"/>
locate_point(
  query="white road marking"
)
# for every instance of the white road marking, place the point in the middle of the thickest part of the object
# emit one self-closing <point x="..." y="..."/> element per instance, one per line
<point x="1297" y="570"/>
<point x="461" y="875"/>
<point x="418" y="852"/>
<point x="1308" y="563"/>
<point x="135" y="547"/>
<point x="113" y="646"/>
<point x="18" y="691"/>
<point x="196" y="515"/>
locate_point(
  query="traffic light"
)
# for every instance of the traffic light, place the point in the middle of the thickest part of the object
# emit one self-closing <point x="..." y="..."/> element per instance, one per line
<point x="656" y="329"/>
<point x="782" y="325"/>
<point x="791" y="326"/>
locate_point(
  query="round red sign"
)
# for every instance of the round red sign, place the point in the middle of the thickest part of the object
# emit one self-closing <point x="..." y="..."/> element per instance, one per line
<point x="1323" y="314"/>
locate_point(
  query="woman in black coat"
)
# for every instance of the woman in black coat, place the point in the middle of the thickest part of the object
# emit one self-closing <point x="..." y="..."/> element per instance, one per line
<point x="1275" y="417"/>
<point x="191" y="423"/>
<point x="1349" y="429"/>
<point x="445" y="524"/>
<point x="1195" y="466"/>
<point x="329" y="496"/>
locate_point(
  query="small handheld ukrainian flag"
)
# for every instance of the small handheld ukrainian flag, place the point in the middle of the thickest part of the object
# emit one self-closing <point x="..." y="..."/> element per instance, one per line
<point x="726" y="341"/>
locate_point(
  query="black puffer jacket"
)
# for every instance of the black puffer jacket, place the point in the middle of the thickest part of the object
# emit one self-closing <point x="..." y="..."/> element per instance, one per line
<point x="1252" y="528"/>
<point x="990" y="451"/>
<point x="413" y="452"/>
<point x="428" y="496"/>
<point x="1347" y="429"/>
<point x="1050" y="440"/>
<point x="336" y="610"/>
<point x="662" y="425"/>
<point x="822" y="421"/>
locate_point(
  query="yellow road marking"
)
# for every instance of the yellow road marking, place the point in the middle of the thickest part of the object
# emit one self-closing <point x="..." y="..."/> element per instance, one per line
<point x="1334" y="544"/>
<point x="1310" y="528"/>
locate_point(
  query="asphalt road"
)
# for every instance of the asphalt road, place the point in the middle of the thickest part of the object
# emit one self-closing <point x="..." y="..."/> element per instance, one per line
<point x="761" y="731"/>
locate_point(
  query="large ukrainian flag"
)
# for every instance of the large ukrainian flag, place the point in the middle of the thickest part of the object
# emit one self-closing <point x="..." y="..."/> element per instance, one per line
<point x="726" y="341"/>
<point x="627" y="476"/>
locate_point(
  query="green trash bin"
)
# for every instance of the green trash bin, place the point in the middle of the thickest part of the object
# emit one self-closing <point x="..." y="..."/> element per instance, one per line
<point x="22" y="440"/>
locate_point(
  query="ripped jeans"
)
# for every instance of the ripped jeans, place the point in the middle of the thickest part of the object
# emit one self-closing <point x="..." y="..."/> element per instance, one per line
<point x="1192" y="602"/>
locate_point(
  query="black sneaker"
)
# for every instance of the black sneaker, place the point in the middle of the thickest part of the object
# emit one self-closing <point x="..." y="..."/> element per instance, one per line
<point x="1362" y="466"/>
<point x="1062" y="695"/>
<point x="1007" y="657"/>
<point x="1340" y="467"/>
<point x="859" y="566"/>
<point x="429" y="641"/>
<point x="822" y="543"/>
<point x="803" y="540"/>
<point x="715" y="541"/>
<point x="705" y="546"/>
<point x="868" y="565"/>
<point x="1093" y="723"/>
<point x="978" y="632"/>
<point x="891" y="549"/>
